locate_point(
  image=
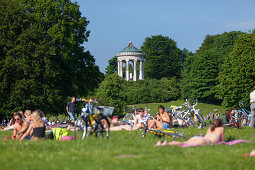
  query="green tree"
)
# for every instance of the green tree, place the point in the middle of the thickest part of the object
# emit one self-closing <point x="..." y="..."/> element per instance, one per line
<point x="111" y="92"/>
<point x="163" y="58"/>
<point x="237" y="77"/>
<point x="199" y="76"/>
<point x="42" y="57"/>
<point x="112" y="66"/>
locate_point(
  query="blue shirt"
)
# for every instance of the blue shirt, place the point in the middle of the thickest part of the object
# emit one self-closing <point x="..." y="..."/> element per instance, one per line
<point x="89" y="108"/>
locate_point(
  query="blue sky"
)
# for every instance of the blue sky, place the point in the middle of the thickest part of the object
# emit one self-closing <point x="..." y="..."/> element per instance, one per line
<point x="113" y="23"/>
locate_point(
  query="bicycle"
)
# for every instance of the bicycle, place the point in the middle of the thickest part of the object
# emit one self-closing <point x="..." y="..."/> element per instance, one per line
<point x="190" y="116"/>
<point x="243" y="112"/>
<point x="129" y="118"/>
<point x="98" y="123"/>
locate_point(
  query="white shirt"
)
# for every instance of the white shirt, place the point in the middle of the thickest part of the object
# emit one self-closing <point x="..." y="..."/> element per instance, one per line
<point x="141" y="120"/>
<point x="252" y="96"/>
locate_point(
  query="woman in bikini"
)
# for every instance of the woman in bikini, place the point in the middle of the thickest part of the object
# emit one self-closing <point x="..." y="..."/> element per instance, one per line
<point x="36" y="128"/>
<point x="213" y="135"/>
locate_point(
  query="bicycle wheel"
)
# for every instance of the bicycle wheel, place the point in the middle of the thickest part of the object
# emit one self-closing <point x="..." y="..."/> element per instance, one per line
<point x="129" y="119"/>
<point x="102" y="127"/>
<point x="81" y="128"/>
<point x="243" y="119"/>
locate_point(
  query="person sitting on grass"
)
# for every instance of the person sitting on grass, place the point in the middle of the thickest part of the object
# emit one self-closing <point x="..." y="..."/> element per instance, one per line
<point x="36" y="128"/>
<point x="162" y="121"/>
<point x="213" y="135"/>
<point x="11" y="123"/>
<point x="19" y="127"/>
<point x="140" y="119"/>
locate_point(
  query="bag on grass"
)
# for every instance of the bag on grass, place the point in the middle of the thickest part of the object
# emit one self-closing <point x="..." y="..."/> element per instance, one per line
<point x="58" y="133"/>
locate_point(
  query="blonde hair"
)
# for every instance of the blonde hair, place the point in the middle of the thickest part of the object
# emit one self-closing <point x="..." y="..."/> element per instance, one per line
<point x="36" y="116"/>
<point x="27" y="113"/>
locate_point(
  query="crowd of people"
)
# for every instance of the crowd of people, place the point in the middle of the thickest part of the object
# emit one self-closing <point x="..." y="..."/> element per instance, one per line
<point x="30" y="125"/>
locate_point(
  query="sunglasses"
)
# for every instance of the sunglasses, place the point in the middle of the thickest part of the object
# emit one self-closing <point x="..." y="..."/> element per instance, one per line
<point x="17" y="119"/>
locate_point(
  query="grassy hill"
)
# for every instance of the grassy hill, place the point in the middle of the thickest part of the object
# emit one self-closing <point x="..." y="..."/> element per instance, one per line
<point x="205" y="108"/>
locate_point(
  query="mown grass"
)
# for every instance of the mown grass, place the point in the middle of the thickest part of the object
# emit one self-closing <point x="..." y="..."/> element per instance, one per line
<point x="204" y="108"/>
<point x="127" y="150"/>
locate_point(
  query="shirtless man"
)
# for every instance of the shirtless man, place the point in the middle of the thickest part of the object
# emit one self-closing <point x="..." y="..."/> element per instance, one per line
<point x="162" y="121"/>
<point x="20" y="126"/>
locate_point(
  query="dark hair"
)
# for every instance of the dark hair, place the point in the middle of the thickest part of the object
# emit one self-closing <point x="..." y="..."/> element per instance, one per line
<point x="227" y="113"/>
<point x="216" y="123"/>
<point x="161" y="107"/>
<point x="140" y="110"/>
<point x="18" y="114"/>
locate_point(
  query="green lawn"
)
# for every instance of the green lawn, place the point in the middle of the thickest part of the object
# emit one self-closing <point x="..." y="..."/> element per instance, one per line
<point x="204" y="108"/>
<point x="127" y="150"/>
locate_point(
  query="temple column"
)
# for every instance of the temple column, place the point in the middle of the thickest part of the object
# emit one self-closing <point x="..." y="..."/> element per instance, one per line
<point x="127" y="70"/>
<point x="134" y="77"/>
<point x="118" y="67"/>
<point x="140" y="70"/>
<point x="121" y="69"/>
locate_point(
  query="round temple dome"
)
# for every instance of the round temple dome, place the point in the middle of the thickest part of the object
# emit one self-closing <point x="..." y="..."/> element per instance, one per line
<point x="130" y="50"/>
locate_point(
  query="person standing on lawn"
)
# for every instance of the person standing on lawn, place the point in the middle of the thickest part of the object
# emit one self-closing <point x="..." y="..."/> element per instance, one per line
<point x="89" y="106"/>
<point x="70" y="108"/>
<point x="252" y="101"/>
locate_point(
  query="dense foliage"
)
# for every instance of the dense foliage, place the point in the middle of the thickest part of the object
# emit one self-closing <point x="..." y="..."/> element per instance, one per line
<point x="201" y="69"/>
<point x="114" y="91"/>
<point x="237" y="77"/>
<point x="112" y="66"/>
<point x="152" y="91"/>
<point x="163" y="57"/>
<point x="42" y="57"/>
<point x="111" y="92"/>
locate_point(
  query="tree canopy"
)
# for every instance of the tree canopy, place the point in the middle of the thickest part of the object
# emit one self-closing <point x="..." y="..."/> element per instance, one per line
<point x="112" y="66"/>
<point x="237" y="77"/>
<point x="163" y="57"/>
<point x="111" y="92"/>
<point x="199" y="76"/>
<point x="42" y="57"/>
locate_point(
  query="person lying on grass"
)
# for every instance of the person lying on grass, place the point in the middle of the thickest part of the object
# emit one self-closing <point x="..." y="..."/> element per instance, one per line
<point x="36" y="128"/>
<point x="139" y="122"/>
<point x="213" y="135"/>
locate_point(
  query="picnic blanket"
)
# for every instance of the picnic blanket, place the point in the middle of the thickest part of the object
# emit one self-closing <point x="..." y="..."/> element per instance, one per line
<point x="233" y="142"/>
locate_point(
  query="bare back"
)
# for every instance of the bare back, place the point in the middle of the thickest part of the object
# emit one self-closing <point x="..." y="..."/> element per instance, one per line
<point x="215" y="136"/>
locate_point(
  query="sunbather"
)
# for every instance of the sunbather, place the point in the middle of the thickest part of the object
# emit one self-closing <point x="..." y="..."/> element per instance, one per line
<point x="139" y="122"/>
<point x="36" y="128"/>
<point x="19" y="127"/>
<point x="163" y="119"/>
<point x="213" y="135"/>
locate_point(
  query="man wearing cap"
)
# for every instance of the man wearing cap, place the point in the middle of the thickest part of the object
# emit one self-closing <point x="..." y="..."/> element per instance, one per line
<point x="252" y="100"/>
